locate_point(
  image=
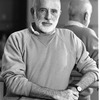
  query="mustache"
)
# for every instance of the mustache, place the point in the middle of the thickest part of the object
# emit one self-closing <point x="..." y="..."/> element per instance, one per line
<point x="47" y="22"/>
<point x="43" y="21"/>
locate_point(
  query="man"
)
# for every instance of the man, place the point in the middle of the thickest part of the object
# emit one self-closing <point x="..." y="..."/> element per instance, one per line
<point x="79" y="18"/>
<point x="37" y="62"/>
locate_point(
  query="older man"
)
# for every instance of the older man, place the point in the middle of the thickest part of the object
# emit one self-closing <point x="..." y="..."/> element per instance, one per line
<point x="37" y="61"/>
<point x="79" y="18"/>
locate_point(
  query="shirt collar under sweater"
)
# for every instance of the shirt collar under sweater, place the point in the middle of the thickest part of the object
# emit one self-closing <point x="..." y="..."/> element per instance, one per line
<point x="71" y="22"/>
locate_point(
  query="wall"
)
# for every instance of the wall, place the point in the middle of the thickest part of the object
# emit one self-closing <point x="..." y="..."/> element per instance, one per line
<point x="12" y="15"/>
<point x="94" y="17"/>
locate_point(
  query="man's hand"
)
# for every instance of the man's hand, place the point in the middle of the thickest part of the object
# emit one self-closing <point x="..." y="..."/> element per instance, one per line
<point x="67" y="95"/>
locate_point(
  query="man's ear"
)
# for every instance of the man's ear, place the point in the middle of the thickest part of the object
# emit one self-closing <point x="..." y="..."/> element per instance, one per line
<point x="85" y="16"/>
<point x="32" y="11"/>
<point x="60" y="12"/>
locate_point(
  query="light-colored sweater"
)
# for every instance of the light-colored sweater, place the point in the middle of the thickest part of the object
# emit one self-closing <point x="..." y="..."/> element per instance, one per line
<point x="30" y="61"/>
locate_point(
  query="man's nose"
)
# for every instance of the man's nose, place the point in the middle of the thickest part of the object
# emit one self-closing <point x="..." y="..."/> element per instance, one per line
<point x="48" y="15"/>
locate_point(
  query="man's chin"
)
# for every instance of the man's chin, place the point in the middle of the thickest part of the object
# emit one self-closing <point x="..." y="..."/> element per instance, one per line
<point x="47" y="30"/>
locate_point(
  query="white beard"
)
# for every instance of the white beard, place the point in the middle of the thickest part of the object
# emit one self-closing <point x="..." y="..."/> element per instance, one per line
<point x="45" y="28"/>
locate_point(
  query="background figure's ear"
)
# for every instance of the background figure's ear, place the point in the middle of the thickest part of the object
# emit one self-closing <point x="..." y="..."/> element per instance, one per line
<point x="32" y="11"/>
<point x="85" y="16"/>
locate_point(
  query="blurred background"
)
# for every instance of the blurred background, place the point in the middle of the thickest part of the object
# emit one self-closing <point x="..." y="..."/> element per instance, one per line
<point x="15" y="15"/>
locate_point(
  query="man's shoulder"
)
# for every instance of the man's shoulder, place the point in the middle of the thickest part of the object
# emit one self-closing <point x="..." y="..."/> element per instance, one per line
<point x="20" y="36"/>
<point x="83" y="30"/>
<point x="20" y="33"/>
<point x="64" y="31"/>
<point x="89" y="32"/>
<point x="66" y="34"/>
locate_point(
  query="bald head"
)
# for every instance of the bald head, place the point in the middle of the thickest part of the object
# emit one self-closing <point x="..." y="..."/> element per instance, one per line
<point x="78" y="8"/>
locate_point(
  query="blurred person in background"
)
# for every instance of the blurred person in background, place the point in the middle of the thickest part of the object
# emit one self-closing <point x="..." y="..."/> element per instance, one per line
<point x="79" y="19"/>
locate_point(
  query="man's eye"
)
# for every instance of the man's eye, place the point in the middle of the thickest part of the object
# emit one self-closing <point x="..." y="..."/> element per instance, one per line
<point x="42" y="10"/>
<point x="54" y="11"/>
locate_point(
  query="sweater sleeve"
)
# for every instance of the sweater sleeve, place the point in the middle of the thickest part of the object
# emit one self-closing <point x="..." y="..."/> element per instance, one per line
<point x="14" y="69"/>
<point x="85" y="65"/>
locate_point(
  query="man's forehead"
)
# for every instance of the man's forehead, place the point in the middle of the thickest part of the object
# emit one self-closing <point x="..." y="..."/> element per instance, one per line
<point x="47" y="0"/>
<point x="52" y="3"/>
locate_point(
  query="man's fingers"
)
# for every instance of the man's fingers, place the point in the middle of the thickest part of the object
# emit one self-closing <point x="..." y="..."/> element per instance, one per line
<point x="68" y="97"/>
<point x="59" y="98"/>
<point x="75" y="93"/>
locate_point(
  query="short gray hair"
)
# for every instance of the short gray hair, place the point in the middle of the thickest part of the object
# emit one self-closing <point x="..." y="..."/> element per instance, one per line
<point x="34" y="3"/>
<point x="79" y="7"/>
